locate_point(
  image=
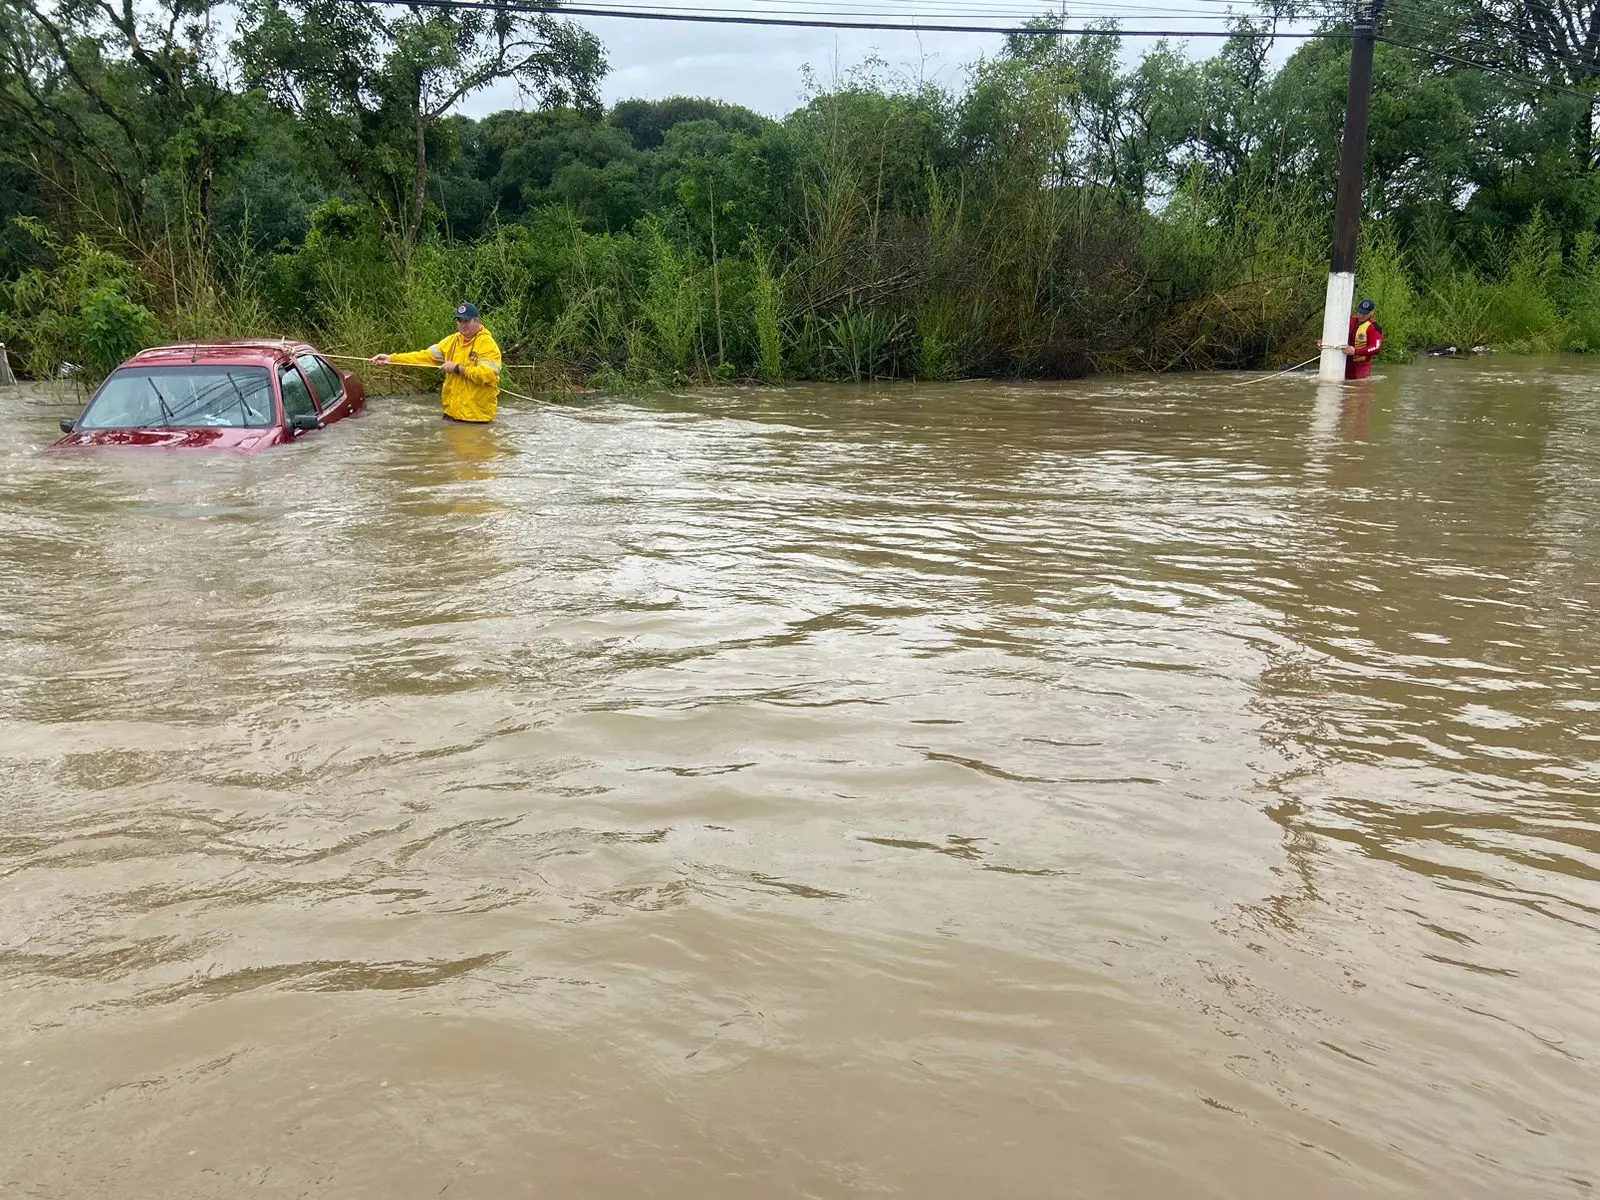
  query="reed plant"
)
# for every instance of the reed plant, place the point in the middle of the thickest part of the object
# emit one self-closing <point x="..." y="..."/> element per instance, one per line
<point x="887" y="230"/>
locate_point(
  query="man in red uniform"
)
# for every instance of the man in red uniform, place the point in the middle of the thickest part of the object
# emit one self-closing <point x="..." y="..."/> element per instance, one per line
<point x="1366" y="339"/>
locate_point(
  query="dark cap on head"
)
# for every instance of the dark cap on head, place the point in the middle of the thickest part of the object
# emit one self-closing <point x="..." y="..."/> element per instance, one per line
<point x="1363" y="308"/>
<point x="466" y="311"/>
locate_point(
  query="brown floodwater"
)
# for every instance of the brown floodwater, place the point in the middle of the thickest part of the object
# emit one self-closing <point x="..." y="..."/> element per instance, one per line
<point x="1129" y="788"/>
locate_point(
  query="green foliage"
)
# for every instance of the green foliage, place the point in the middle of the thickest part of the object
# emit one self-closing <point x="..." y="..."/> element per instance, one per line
<point x="1579" y="297"/>
<point x="766" y="314"/>
<point x="1522" y="309"/>
<point x="647" y="122"/>
<point x="863" y="344"/>
<point x="1065" y="211"/>
<point x="672" y="303"/>
<point x="949" y="331"/>
<point x="114" y="328"/>
<point x="372" y="88"/>
<point x="1521" y="296"/>
<point x="82" y="310"/>
<point x="1386" y="280"/>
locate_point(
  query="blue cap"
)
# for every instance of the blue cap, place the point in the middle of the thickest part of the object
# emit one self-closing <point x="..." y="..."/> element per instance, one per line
<point x="466" y="311"/>
<point x="1363" y="308"/>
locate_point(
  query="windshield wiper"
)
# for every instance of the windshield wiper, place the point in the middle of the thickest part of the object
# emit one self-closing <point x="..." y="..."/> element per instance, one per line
<point x="244" y="411"/>
<point x="166" y="409"/>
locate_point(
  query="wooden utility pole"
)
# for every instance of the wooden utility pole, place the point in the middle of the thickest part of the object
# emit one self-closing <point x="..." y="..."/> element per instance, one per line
<point x="1347" y="203"/>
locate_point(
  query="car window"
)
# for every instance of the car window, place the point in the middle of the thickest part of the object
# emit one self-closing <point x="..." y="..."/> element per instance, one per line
<point x="183" y="397"/>
<point x="335" y="380"/>
<point x="325" y="380"/>
<point x="297" y="400"/>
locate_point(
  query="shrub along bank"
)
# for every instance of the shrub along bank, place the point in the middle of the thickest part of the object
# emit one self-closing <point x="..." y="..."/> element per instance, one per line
<point x="1063" y="213"/>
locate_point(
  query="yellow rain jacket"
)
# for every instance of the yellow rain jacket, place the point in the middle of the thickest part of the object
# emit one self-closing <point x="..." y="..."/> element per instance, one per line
<point x="475" y="394"/>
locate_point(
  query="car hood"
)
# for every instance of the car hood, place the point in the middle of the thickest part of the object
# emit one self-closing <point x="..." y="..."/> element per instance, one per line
<point x="246" y="441"/>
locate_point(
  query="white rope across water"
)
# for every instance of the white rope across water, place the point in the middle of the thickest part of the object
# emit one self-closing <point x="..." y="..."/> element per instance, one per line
<point x="356" y="358"/>
<point x="504" y="391"/>
<point x="1275" y="374"/>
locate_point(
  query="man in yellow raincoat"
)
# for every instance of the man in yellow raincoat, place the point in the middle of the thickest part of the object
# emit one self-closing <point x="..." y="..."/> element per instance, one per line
<point x="470" y="360"/>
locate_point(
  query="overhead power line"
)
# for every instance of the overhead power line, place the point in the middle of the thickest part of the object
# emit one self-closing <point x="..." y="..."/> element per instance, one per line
<point x="866" y="17"/>
<point x="975" y="10"/>
<point x="706" y="18"/>
<point x="713" y="17"/>
<point x="1433" y="30"/>
<point x="1490" y="68"/>
<point x="864" y="13"/>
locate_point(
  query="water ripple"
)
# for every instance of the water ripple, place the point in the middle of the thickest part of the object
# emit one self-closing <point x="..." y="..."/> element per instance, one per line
<point x="1135" y="787"/>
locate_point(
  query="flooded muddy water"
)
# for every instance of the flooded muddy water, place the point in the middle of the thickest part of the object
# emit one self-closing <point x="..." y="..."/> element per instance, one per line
<point x="1127" y="788"/>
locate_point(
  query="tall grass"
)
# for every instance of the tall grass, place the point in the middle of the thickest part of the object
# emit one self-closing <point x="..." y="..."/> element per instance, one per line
<point x="892" y="262"/>
<point x="1522" y="295"/>
<point x="671" y="304"/>
<point x="1579" y="296"/>
<point x="1386" y="280"/>
<point x="766" y="314"/>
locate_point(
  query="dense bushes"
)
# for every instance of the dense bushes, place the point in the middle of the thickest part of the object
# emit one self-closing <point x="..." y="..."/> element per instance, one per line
<point x="1060" y="215"/>
<point x="85" y="312"/>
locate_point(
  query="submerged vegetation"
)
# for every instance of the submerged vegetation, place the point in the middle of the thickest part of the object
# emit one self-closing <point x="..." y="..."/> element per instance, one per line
<point x="1062" y="211"/>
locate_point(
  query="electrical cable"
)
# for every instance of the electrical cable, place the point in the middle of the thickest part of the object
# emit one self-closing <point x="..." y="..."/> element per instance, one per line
<point x="522" y="6"/>
<point x="1431" y="27"/>
<point x="709" y="17"/>
<point x="947" y="9"/>
<point x="1488" y="68"/>
<point x="1106" y="9"/>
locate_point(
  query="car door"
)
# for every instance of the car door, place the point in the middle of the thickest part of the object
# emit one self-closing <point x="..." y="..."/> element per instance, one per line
<point x="298" y="399"/>
<point x="326" y="385"/>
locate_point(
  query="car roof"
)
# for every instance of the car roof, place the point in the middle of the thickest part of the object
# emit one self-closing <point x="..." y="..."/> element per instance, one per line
<point x="251" y="352"/>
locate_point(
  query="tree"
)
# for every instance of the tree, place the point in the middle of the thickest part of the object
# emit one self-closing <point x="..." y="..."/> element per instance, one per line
<point x="118" y="109"/>
<point x="1556" y="39"/>
<point x="648" y="121"/>
<point x="372" y="84"/>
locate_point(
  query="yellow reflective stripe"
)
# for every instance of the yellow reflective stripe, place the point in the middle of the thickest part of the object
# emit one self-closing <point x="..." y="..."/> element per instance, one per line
<point x="438" y="354"/>
<point x="493" y="366"/>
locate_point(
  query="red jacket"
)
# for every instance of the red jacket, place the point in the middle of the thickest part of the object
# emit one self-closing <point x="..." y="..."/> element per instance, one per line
<point x="1366" y="336"/>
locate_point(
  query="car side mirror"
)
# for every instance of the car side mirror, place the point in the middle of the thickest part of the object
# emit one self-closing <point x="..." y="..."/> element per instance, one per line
<point x="68" y="424"/>
<point x="304" y="423"/>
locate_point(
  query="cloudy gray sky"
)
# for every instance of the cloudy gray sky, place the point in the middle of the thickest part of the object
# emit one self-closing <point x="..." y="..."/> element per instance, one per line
<point x="757" y="66"/>
<point x="764" y="68"/>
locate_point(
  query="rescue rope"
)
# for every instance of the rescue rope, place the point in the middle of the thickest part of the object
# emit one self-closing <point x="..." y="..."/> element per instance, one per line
<point x="504" y="391"/>
<point x="1275" y="374"/>
<point x="356" y="358"/>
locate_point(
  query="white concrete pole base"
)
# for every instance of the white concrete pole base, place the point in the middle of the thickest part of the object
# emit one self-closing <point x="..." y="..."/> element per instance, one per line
<point x="1336" y="323"/>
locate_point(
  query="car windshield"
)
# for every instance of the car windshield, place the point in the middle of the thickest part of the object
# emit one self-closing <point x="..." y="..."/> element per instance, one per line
<point x="182" y="397"/>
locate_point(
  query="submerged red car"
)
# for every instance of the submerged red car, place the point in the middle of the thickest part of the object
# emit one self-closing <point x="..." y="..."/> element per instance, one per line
<point x="242" y="396"/>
